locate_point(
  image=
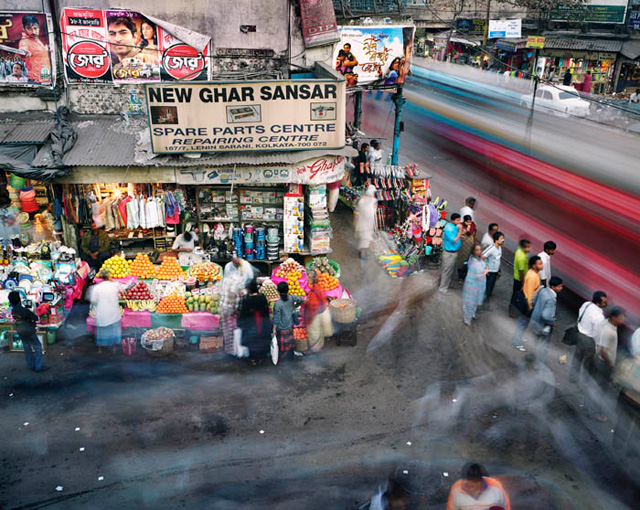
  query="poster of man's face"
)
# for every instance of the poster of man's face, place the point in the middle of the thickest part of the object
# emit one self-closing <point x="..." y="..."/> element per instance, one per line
<point x="123" y="36"/>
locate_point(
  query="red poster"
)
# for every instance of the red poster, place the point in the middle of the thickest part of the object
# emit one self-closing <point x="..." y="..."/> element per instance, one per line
<point x="24" y="49"/>
<point x="318" y="22"/>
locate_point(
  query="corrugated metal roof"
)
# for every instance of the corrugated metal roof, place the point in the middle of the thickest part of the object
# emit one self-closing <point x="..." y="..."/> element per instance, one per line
<point x="566" y="43"/>
<point x="25" y="132"/>
<point x="113" y="143"/>
<point x="631" y="49"/>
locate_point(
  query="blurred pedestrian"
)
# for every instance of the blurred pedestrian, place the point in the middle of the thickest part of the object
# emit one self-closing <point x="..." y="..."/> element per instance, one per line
<point x="549" y="249"/>
<point x="607" y="345"/>
<point x="566" y="80"/>
<point x="586" y="84"/>
<point x="543" y="317"/>
<point x="487" y="238"/>
<point x="476" y="491"/>
<point x="467" y="242"/>
<point x="475" y="284"/>
<point x="25" y="325"/>
<point x="493" y="258"/>
<point x="283" y="320"/>
<point x="605" y="358"/>
<point x="451" y="245"/>
<point x="469" y="206"/>
<point x="366" y="208"/>
<point x="316" y="318"/>
<point x="105" y="301"/>
<point x="392" y="497"/>
<point x="520" y="265"/>
<point x="255" y="324"/>
<point x="590" y="316"/>
<point x="530" y="287"/>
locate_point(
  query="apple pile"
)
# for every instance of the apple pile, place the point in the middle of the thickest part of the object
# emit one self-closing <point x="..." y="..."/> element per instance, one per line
<point x="139" y="298"/>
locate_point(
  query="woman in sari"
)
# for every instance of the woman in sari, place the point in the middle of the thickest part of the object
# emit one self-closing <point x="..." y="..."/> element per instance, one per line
<point x="475" y="284"/>
<point x="314" y="307"/>
<point x="255" y="324"/>
<point x="469" y="239"/>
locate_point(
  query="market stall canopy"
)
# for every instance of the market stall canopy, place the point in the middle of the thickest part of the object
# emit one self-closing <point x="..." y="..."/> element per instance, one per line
<point x="576" y="44"/>
<point x="456" y="37"/>
<point x="631" y="49"/>
<point x="20" y="140"/>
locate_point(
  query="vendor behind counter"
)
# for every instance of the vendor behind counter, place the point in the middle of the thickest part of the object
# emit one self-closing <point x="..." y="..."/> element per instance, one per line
<point x="95" y="247"/>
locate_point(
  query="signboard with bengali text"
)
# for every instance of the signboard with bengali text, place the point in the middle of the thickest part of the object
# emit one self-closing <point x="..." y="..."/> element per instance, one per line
<point x="246" y="116"/>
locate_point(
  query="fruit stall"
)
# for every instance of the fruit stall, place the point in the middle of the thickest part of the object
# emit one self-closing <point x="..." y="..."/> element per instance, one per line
<point x="166" y="295"/>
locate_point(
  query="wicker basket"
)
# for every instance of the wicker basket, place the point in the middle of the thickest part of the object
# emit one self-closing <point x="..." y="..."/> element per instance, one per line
<point x="168" y="345"/>
<point x="343" y="311"/>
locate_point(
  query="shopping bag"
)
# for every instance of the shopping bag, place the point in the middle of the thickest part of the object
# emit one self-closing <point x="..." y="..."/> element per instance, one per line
<point x="275" y="350"/>
<point x="326" y="323"/>
<point x="239" y="350"/>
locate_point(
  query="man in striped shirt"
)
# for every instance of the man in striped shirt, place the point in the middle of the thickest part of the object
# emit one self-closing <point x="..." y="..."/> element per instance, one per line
<point x="476" y="491"/>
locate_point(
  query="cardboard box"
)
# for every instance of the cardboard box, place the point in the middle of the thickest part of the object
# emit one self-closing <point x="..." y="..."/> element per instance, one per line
<point x="211" y="343"/>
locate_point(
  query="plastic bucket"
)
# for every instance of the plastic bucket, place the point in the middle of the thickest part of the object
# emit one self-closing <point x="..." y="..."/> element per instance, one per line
<point x="129" y="346"/>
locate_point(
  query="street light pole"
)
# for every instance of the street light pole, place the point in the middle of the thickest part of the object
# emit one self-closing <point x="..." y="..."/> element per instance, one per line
<point x="486" y="24"/>
<point x="399" y="102"/>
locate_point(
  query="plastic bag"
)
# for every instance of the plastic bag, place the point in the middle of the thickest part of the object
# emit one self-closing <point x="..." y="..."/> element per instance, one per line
<point x="275" y="350"/>
<point x="239" y="350"/>
<point x="326" y="323"/>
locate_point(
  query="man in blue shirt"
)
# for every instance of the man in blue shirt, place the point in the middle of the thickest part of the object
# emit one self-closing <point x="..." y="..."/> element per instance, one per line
<point x="451" y="244"/>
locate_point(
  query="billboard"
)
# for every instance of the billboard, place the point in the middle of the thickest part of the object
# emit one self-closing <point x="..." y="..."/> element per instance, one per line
<point x="634" y="14"/>
<point x="246" y="116"/>
<point x="505" y="28"/>
<point x="374" y="56"/>
<point x="125" y="47"/>
<point x="595" y="11"/>
<point x="25" y="59"/>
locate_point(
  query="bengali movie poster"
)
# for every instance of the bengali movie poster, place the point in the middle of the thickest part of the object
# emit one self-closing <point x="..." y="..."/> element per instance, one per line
<point x="24" y="49"/>
<point x="125" y="47"/>
<point x="374" y="56"/>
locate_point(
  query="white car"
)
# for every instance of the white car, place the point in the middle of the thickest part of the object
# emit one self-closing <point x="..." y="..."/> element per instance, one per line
<point x="558" y="100"/>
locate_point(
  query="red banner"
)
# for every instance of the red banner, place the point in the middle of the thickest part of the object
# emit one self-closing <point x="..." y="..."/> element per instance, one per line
<point x="319" y="25"/>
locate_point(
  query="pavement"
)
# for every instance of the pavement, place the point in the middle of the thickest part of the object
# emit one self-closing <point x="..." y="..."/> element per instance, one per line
<point x="420" y="393"/>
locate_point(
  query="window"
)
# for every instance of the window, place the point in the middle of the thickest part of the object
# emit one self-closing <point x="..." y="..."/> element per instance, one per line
<point x="566" y="95"/>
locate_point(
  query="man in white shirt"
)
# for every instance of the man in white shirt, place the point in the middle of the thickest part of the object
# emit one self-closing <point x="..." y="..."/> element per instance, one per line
<point x="374" y="156"/>
<point x="475" y="491"/>
<point x="240" y="267"/>
<point x="548" y="250"/>
<point x="487" y="238"/>
<point x="590" y="316"/>
<point x="469" y="206"/>
<point x="493" y="257"/>
<point x="18" y="74"/>
<point x="635" y="97"/>
<point x="182" y="249"/>
<point x="607" y="342"/>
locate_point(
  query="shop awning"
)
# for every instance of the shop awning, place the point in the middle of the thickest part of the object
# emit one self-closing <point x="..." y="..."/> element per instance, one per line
<point x="575" y="44"/>
<point x="511" y="45"/>
<point x="631" y="49"/>
<point x="456" y="37"/>
<point x="114" y="142"/>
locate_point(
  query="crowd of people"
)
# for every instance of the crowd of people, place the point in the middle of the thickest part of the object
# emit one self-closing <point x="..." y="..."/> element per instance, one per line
<point x="534" y="299"/>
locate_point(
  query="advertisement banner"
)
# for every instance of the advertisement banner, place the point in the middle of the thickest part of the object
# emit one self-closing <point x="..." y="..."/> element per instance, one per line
<point x="374" y="56"/>
<point x="246" y="116"/>
<point x="634" y="14"/>
<point x="595" y="11"/>
<point x="319" y="25"/>
<point x="125" y="47"/>
<point x="505" y="28"/>
<point x="535" y="41"/>
<point x="313" y="171"/>
<point x="25" y="41"/>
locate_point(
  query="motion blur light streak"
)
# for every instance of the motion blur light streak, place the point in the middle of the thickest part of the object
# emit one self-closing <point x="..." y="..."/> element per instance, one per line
<point x="571" y="180"/>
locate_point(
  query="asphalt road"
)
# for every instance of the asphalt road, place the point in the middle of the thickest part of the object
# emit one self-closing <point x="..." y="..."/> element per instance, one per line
<point x="597" y="249"/>
<point x="419" y="393"/>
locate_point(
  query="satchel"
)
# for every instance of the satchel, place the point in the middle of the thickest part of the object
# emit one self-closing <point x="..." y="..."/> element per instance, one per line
<point x="570" y="336"/>
<point x="519" y="303"/>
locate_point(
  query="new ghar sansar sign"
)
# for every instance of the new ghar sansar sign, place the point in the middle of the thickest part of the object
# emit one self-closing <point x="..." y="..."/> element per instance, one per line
<point x="246" y="116"/>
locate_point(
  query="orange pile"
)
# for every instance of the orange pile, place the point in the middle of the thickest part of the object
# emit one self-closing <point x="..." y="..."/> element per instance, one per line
<point x="170" y="269"/>
<point x="142" y="267"/>
<point x="172" y="304"/>
<point x="326" y="282"/>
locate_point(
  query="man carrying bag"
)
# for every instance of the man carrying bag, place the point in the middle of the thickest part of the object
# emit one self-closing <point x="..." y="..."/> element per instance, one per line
<point x="583" y="334"/>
